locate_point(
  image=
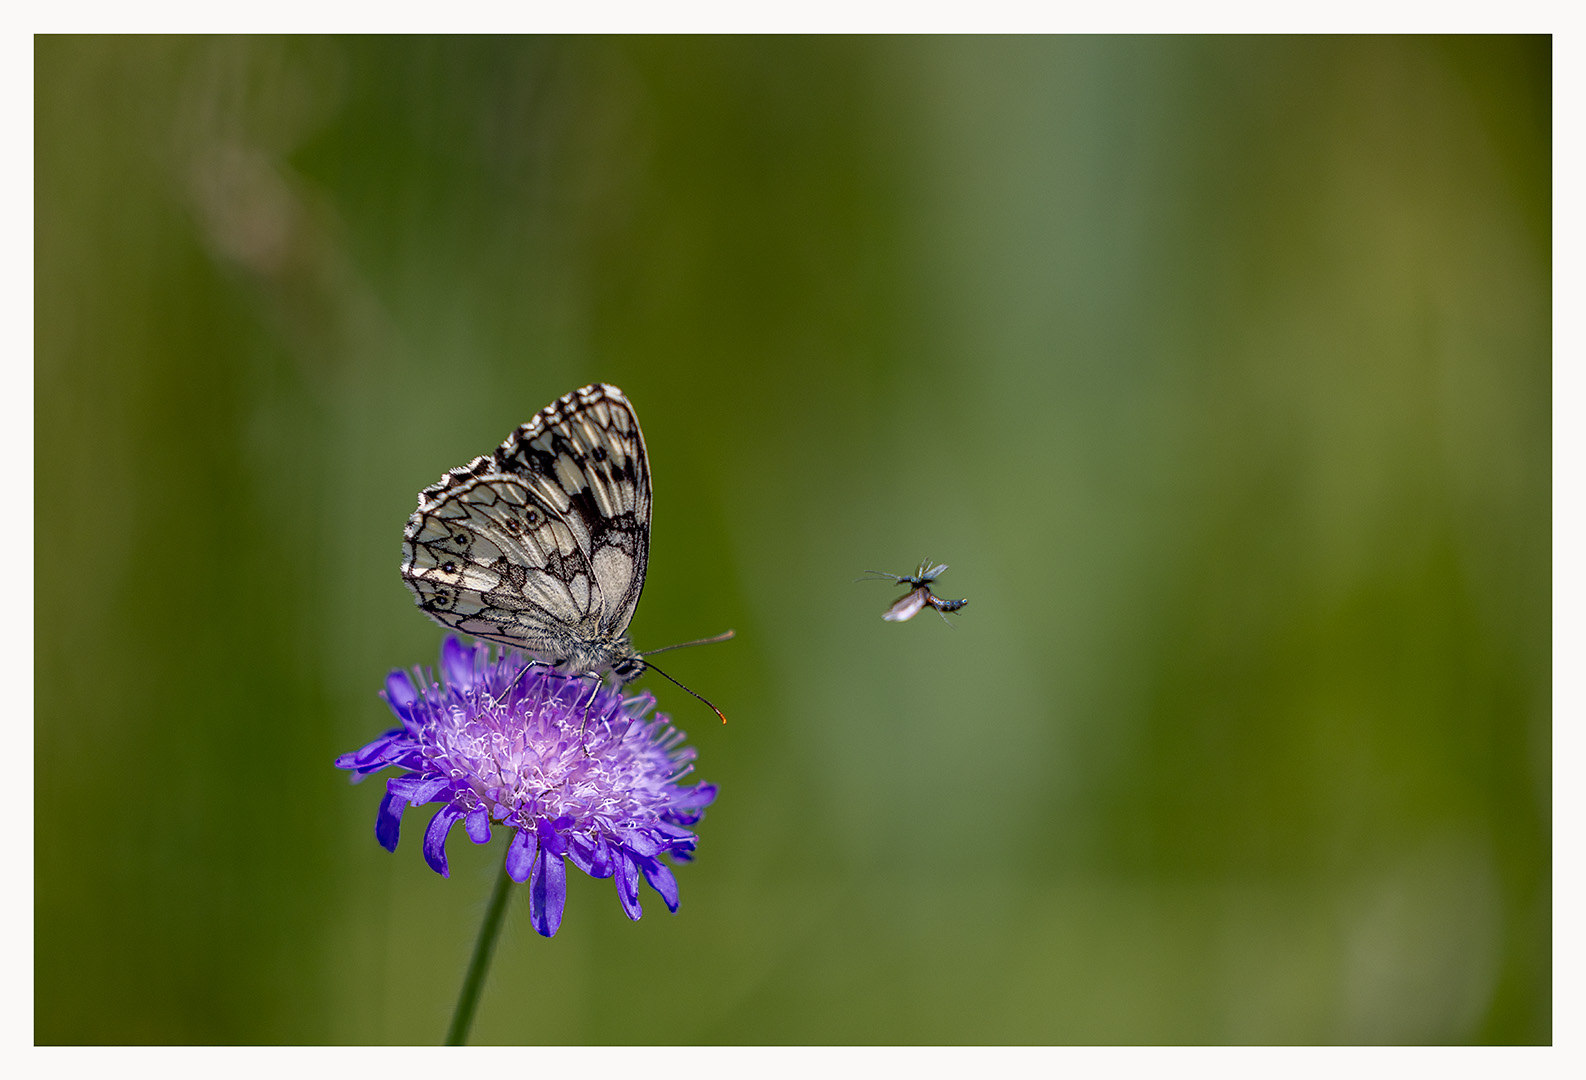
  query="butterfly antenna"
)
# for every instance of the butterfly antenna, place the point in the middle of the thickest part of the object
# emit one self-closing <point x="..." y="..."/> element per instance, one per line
<point x="674" y="682"/>
<point x="726" y="636"/>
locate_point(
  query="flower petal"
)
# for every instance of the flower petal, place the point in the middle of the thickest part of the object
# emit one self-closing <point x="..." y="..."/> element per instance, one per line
<point x="681" y="850"/>
<point x="375" y="751"/>
<point x="604" y="866"/>
<point x="457" y="665"/>
<point x="593" y="857"/>
<point x="521" y="855"/>
<point x="548" y="894"/>
<point x="640" y="841"/>
<point x="627" y="875"/>
<point x="550" y="839"/>
<point x="695" y="798"/>
<point x="478" y="824"/>
<point x="412" y="758"/>
<point x="418" y="790"/>
<point x="435" y="838"/>
<point x="388" y="821"/>
<point x="400" y="695"/>
<point x="581" y="852"/>
<point x="661" y="880"/>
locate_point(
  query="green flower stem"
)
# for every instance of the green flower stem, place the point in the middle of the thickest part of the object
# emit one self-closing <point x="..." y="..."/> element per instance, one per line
<point x="479" y="966"/>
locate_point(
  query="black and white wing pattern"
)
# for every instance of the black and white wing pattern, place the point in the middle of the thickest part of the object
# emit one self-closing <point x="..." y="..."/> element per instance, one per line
<point x="542" y="544"/>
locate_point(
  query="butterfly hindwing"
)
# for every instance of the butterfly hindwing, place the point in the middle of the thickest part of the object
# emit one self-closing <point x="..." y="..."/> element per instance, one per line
<point x="490" y="560"/>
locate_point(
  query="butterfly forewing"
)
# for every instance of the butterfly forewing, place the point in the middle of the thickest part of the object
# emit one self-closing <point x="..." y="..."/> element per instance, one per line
<point x="542" y="545"/>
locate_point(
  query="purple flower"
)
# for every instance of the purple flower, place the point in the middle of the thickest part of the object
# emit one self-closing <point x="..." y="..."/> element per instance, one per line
<point x="574" y="768"/>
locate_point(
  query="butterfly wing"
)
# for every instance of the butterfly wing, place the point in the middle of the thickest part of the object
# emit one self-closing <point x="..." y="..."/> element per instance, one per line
<point x="584" y="455"/>
<point x="541" y="545"/>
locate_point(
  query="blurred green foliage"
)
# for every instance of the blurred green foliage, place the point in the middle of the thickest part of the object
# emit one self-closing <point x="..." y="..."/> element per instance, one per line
<point x="1217" y="370"/>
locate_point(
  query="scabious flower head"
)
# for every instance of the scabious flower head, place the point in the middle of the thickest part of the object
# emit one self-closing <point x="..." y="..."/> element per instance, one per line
<point x="573" y="766"/>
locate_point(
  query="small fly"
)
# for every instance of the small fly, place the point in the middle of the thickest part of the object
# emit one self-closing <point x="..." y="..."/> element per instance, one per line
<point x="919" y="595"/>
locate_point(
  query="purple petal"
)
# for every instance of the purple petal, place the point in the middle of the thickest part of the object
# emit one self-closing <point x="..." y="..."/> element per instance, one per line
<point x="640" y="842"/>
<point x="550" y="839"/>
<point x="418" y="790"/>
<point x="377" y="750"/>
<point x="457" y="665"/>
<point x="661" y="880"/>
<point x="435" y="838"/>
<point x="400" y="695"/>
<point x="371" y="758"/>
<point x="410" y="759"/>
<point x="627" y="875"/>
<point x="581" y="852"/>
<point x="548" y="894"/>
<point x="695" y="798"/>
<point x="353" y="760"/>
<point x="593" y="857"/>
<point x="388" y="821"/>
<point x="521" y="855"/>
<point x="603" y="867"/>
<point x="478" y="824"/>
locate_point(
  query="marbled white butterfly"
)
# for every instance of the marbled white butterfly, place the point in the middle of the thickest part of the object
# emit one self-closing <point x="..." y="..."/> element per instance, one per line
<point x="542" y="544"/>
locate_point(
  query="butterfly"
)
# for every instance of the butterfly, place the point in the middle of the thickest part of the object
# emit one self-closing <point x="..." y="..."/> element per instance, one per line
<point x="542" y="544"/>
<point x="919" y="594"/>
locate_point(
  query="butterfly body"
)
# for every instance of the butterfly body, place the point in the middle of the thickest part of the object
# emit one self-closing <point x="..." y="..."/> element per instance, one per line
<point x="542" y="544"/>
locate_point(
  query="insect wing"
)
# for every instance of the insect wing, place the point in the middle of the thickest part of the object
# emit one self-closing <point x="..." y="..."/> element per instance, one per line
<point x="542" y="544"/>
<point x="907" y="606"/>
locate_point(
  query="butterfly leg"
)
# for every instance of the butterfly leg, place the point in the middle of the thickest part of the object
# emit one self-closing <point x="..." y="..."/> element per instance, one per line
<point x="501" y="698"/>
<point x="593" y="693"/>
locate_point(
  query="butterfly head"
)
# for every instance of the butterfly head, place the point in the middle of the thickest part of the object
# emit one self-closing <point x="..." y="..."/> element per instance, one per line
<point x="627" y="669"/>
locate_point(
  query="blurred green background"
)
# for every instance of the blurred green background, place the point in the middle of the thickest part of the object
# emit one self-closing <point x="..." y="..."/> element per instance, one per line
<point x="1217" y="370"/>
